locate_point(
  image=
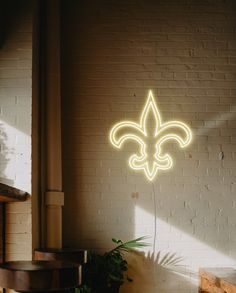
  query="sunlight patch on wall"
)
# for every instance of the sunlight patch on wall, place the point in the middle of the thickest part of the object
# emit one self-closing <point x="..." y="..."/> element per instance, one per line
<point x="188" y="251"/>
<point x="216" y="122"/>
<point x="15" y="157"/>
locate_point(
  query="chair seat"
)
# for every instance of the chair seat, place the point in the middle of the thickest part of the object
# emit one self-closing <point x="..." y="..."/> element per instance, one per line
<point x="39" y="276"/>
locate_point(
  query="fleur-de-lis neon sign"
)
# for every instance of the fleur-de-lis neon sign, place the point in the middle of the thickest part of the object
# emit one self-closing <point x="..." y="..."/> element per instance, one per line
<point x="151" y="140"/>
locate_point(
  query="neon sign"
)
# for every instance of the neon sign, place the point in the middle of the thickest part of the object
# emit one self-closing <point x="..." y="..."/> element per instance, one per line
<point x="150" y="139"/>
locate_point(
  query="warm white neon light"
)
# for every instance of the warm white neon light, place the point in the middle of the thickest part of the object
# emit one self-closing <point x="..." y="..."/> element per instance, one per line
<point x="150" y="163"/>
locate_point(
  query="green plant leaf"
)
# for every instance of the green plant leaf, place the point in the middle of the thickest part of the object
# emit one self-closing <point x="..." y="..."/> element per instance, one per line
<point x="104" y="271"/>
<point x="117" y="241"/>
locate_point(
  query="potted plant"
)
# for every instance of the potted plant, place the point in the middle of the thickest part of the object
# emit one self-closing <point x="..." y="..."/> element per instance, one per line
<point x="105" y="273"/>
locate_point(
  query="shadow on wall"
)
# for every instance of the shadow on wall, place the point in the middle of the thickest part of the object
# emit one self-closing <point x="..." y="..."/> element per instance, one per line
<point x="16" y="64"/>
<point x="166" y="272"/>
<point x="9" y="17"/>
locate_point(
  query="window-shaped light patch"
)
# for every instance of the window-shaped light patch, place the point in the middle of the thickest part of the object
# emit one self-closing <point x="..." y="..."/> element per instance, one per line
<point x="150" y="133"/>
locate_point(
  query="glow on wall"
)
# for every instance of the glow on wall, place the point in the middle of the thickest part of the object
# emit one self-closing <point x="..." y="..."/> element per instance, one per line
<point x="150" y="158"/>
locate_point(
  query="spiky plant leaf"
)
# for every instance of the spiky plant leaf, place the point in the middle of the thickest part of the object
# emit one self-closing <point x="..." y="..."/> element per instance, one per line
<point x="106" y="270"/>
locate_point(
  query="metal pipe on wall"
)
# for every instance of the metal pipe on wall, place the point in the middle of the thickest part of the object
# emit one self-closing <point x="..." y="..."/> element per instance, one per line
<point x="54" y="197"/>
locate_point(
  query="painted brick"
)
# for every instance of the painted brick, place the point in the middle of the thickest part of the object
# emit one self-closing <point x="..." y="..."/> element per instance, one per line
<point x="185" y="51"/>
<point x="15" y="131"/>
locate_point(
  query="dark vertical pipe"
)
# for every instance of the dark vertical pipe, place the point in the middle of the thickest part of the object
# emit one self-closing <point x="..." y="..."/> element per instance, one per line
<point x="2" y="234"/>
<point x="50" y="120"/>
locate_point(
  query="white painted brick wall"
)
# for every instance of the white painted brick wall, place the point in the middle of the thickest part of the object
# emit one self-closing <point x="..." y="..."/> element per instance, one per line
<point x="15" y="129"/>
<point x="185" y="51"/>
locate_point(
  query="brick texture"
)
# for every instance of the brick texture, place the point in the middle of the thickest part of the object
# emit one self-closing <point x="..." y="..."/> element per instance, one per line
<point x="1" y="232"/>
<point x="15" y="125"/>
<point x="113" y="53"/>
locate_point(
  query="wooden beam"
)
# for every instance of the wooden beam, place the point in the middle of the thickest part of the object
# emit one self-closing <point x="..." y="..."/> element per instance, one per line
<point x="9" y="194"/>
